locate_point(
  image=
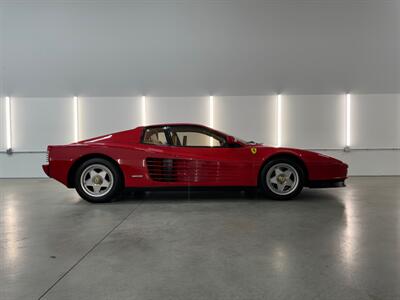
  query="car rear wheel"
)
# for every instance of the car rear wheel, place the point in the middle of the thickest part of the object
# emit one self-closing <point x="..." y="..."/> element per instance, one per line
<point x="98" y="180"/>
<point x="282" y="179"/>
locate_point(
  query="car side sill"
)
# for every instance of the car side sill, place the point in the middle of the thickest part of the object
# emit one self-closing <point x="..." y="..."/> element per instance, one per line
<point x="193" y="188"/>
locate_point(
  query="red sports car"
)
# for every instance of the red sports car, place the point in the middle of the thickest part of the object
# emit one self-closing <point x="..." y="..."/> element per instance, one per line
<point x="186" y="155"/>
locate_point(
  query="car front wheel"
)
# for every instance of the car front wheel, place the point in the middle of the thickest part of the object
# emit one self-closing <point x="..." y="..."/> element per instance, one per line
<point x="97" y="180"/>
<point x="282" y="179"/>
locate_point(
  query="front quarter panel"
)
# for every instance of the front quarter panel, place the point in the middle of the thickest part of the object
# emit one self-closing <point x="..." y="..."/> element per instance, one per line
<point x="318" y="166"/>
<point x="322" y="167"/>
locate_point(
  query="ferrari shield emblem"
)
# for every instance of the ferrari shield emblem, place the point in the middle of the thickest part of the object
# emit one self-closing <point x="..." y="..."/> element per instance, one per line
<point x="253" y="150"/>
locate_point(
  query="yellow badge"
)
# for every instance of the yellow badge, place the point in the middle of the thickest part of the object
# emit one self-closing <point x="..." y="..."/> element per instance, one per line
<point x="253" y="150"/>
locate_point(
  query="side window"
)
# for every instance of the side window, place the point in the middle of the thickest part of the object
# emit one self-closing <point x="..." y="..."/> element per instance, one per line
<point x="155" y="136"/>
<point x="195" y="137"/>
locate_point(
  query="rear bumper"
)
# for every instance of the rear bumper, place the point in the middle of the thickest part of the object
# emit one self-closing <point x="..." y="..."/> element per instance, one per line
<point x="326" y="183"/>
<point x="46" y="169"/>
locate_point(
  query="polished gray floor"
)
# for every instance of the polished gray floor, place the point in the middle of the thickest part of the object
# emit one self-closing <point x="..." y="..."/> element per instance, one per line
<point x="327" y="244"/>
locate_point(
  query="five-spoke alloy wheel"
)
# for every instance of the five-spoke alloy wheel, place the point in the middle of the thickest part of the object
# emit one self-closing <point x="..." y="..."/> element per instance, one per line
<point x="97" y="180"/>
<point x="282" y="179"/>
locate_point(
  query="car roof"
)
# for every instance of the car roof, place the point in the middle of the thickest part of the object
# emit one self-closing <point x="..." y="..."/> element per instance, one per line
<point x="183" y="124"/>
<point x="176" y="124"/>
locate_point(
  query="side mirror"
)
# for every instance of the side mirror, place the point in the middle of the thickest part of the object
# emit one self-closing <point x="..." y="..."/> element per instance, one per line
<point x="230" y="140"/>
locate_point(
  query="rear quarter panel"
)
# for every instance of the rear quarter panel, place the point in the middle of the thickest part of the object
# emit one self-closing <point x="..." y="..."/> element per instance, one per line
<point x="62" y="158"/>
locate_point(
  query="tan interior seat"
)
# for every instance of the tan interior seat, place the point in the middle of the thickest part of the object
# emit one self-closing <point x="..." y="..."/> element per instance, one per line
<point x="154" y="139"/>
<point x="151" y="137"/>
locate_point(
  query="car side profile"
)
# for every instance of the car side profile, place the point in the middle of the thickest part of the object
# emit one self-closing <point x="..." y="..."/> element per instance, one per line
<point x="169" y="156"/>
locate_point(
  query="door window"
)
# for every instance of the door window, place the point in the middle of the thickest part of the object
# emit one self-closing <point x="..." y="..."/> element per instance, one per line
<point x="191" y="136"/>
<point x="155" y="136"/>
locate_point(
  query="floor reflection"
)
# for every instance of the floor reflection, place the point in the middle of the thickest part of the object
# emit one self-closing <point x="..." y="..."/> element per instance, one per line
<point x="10" y="232"/>
<point x="350" y="235"/>
<point x="280" y="261"/>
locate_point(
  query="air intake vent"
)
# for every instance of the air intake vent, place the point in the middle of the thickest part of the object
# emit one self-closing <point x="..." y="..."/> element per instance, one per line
<point x="161" y="169"/>
<point x="188" y="170"/>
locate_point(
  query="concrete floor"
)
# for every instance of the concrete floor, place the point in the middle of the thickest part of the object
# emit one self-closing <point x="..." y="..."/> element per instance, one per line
<point x="327" y="244"/>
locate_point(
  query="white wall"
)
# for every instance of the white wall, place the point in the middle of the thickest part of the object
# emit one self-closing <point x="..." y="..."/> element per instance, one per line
<point x="311" y="122"/>
<point x="22" y="165"/>
<point x="376" y="121"/>
<point x="100" y="116"/>
<point x="38" y="122"/>
<point x="369" y="162"/>
<point x="2" y="125"/>
<point x="177" y="110"/>
<point x="252" y="118"/>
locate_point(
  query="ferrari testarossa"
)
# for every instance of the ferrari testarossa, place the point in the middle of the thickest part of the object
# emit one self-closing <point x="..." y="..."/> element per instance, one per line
<point x="186" y="155"/>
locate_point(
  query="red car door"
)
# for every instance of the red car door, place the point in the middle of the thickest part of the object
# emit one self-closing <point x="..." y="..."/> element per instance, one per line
<point x="215" y="166"/>
<point x="198" y="156"/>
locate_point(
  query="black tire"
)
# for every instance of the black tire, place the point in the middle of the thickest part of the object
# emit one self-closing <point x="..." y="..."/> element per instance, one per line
<point x="114" y="179"/>
<point x="290" y="193"/>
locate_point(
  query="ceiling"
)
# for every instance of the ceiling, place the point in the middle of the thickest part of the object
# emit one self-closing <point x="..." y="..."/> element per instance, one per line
<point x="191" y="48"/>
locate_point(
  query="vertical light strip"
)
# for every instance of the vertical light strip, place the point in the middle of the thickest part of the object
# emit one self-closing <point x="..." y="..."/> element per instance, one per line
<point x="348" y="120"/>
<point x="76" y="119"/>
<point x="279" y="120"/>
<point x="211" y="106"/>
<point x="8" y="124"/>
<point x="211" y="116"/>
<point x="144" y="110"/>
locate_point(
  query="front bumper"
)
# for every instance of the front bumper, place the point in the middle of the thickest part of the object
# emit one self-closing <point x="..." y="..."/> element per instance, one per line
<point x="327" y="171"/>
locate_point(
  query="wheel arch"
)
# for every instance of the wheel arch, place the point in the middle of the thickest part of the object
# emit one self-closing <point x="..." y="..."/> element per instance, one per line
<point x="82" y="159"/>
<point x="286" y="155"/>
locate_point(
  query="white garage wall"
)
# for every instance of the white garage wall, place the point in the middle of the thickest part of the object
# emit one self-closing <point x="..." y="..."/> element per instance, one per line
<point x="308" y="122"/>
<point x="375" y="121"/>
<point x="2" y="125"/>
<point x="22" y="165"/>
<point x="313" y="121"/>
<point x="38" y="122"/>
<point x="100" y="116"/>
<point x="251" y="118"/>
<point x="369" y="162"/>
<point x="177" y="110"/>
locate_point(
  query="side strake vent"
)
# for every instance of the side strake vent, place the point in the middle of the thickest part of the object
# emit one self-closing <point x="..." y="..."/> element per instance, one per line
<point x="161" y="169"/>
<point x="184" y="170"/>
